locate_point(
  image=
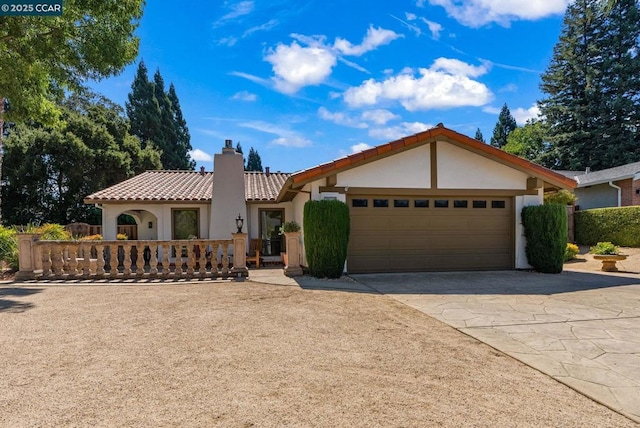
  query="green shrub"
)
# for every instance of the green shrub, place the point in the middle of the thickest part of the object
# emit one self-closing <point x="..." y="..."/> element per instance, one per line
<point x="562" y="197"/>
<point x="604" y="248"/>
<point x="326" y="235"/>
<point x="289" y="226"/>
<point x="570" y="252"/>
<point x="618" y="225"/>
<point x="545" y="227"/>
<point x="50" y="232"/>
<point x="9" y="247"/>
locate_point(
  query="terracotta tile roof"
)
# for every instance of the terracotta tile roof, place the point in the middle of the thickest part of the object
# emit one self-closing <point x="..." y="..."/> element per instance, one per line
<point x="185" y="186"/>
<point x="435" y="134"/>
<point x="262" y="187"/>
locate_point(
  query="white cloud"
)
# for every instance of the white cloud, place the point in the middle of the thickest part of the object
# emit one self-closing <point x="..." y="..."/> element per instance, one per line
<point x="476" y="13"/>
<point x="374" y="38"/>
<point x="200" y="156"/>
<point x="410" y="16"/>
<point x="264" y="27"/>
<point x="491" y="110"/>
<point x="250" y="77"/>
<point x="237" y="10"/>
<point x="521" y="115"/>
<point x="447" y="84"/>
<point x="379" y="116"/>
<point x="292" y="141"/>
<point x="434" y="27"/>
<point x="244" y="96"/>
<point x="340" y="119"/>
<point x="399" y="131"/>
<point x="295" y="66"/>
<point x="285" y="137"/>
<point x="510" y="87"/>
<point x="359" y="147"/>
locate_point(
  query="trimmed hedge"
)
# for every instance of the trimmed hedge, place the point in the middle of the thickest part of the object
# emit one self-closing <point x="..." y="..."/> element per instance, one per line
<point x="326" y="235"/>
<point x="618" y="225"/>
<point x="545" y="227"/>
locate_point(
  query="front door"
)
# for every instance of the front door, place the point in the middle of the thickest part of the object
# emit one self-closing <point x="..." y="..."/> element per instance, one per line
<point x="270" y="222"/>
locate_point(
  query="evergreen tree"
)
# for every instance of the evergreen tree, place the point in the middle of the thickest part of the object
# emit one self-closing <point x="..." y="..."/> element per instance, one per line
<point x="593" y="87"/>
<point x="254" y="163"/>
<point x="479" y="136"/>
<point x="156" y="118"/>
<point x="183" y="142"/>
<point x="143" y="109"/>
<point x="506" y="124"/>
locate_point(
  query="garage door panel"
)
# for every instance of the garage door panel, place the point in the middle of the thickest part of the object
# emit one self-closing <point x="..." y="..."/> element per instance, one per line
<point x="417" y="239"/>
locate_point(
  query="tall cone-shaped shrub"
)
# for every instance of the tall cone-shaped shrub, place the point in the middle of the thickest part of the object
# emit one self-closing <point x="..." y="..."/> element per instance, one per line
<point x="545" y="227"/>
<point x="326" y="235"/>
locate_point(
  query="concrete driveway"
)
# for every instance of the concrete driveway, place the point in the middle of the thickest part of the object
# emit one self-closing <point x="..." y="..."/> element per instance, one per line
<point x="581" y="328"/>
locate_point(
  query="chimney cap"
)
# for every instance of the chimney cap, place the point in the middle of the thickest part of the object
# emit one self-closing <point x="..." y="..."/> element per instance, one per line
<point x="228" y="144"/>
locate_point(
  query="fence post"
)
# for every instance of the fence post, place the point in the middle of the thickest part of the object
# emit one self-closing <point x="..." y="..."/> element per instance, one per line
<point x="26" y="255"/>
<point x="239" y="255"/>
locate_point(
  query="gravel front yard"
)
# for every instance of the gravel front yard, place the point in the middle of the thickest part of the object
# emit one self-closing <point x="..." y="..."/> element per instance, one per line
<point x="247" y="354"/>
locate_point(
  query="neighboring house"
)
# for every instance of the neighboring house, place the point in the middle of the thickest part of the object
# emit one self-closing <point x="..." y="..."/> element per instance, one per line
<point x="437" y="200"/>
<point x="613" y="187"/>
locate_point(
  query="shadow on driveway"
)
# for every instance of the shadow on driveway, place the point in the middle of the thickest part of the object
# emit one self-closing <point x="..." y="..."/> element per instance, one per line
<point x="494" y="282"/>
<point x="9" y="305"/>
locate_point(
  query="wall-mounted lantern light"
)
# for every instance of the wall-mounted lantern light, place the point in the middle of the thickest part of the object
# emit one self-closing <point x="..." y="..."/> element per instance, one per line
<point x="239" y="223"/>
<point x="150" y="225"/>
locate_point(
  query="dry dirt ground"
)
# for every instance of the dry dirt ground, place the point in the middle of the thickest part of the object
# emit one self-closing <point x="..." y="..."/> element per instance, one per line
<point x="247" y="354"/>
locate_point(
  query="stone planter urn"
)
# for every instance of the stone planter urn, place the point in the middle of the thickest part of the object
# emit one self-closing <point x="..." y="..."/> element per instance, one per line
<point x="609" y="261"/>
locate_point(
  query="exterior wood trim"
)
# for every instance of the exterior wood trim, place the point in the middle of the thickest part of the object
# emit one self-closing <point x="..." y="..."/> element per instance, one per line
<point x="434" y="164"/>
<point x="534" y="183"/>
<point x="332" y="180"/>
<point x="333" y="189"/>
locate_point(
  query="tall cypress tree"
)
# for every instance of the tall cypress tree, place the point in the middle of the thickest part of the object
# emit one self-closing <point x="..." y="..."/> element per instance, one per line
<point x="254" y="163"/>
<point x="593" y="87"/>
<point x="142" y="108"/>
<point x="183" y="137"/>
<point x="479" y="136"/>
<point x="156" y="118"/>
<point x="506" y="124"/>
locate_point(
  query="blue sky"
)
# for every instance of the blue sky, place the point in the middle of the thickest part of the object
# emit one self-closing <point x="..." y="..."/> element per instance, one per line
<point x="305" y="82"/>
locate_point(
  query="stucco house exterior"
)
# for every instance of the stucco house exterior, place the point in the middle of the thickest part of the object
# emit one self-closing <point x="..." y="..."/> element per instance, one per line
<point x="436" y="200"/>
<point x="612" y="187"/>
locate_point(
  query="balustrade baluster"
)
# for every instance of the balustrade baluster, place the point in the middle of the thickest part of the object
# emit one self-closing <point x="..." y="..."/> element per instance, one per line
<point x="153" y="262"/>
<point x="178" y="261"/>
<point x="166" y="250"/>
<point x="140" y="258"/>
<point x="202" y="261"/>
<point x="225" y="259"/>
<point x="127" y="260"/>
<point x="191" y="260"/>
<point x="73" y="259"/>
<point x="100" y="262"/>
<point x="56" y="260"/>
<point x="46" y="260"/>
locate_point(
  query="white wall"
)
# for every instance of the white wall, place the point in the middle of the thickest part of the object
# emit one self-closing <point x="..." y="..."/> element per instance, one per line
<point x="160" y="214"/>
<point x="461" y="169"/>
<point x="409" y="169"/>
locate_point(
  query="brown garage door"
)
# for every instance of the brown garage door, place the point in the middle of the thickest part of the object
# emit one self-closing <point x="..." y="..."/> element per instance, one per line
<point x="392" y="233"/>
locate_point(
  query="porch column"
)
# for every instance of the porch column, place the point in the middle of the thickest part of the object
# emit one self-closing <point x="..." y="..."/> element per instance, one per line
<point x="239" y="254"/>
<point x="293" y="267"/>
<point x="26" y="255"/>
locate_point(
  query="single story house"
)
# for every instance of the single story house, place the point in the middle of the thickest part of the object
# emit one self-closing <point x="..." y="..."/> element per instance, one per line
<point x="436" y="200"/>
<point x="612" y="187"/>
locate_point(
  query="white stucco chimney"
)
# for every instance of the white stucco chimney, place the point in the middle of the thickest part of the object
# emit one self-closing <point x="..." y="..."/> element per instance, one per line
<point x="228" y="199"/>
